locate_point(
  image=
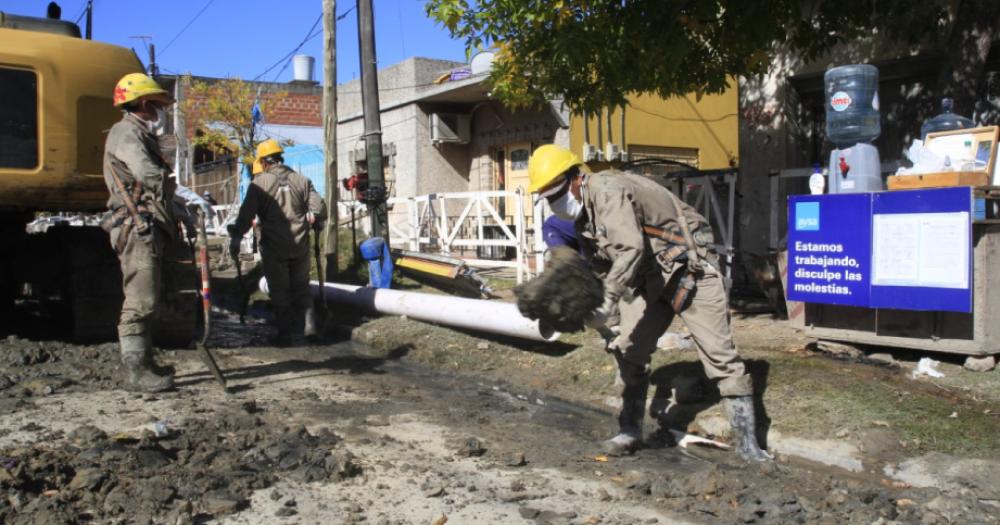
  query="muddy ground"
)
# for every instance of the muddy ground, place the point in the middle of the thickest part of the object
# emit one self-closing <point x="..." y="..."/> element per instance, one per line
<point x="394" y="421"/>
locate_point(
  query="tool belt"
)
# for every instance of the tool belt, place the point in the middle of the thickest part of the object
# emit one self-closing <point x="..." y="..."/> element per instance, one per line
<point x="679" y="249"/>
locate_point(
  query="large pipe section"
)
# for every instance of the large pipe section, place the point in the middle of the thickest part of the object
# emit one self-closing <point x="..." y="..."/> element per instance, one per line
<point x="472" y="314"/>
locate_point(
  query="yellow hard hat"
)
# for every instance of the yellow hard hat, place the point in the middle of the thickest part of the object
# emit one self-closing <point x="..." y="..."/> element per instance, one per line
<point x="267" y="148"/>
<point x="547" y="163"/>
<point x="257" y="168"/>
<point x="137" y="85"/>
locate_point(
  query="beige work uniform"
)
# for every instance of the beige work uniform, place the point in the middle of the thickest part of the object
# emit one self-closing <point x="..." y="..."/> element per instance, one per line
<point x="132" y="151"/>
<point x="281" y="198"/>
<point x="618" y="205"/>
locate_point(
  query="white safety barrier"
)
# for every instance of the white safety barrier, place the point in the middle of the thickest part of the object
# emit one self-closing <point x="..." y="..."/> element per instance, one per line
<point x="429" y="226"/>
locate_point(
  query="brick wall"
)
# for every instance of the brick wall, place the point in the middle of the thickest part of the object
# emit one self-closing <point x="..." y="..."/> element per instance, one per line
<point x="301" y="106"/>
<point x="297" y="109"/>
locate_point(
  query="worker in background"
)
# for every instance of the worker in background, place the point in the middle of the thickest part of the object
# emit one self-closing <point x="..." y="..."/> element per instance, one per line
<point x="660" y="265"/>
<point x="287" y="206"/>
<point x="207" y="197"/>
<point x="142" y="222"/>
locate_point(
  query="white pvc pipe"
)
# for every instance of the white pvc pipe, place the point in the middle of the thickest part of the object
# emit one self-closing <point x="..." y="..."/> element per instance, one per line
<point x="473" y="314"/>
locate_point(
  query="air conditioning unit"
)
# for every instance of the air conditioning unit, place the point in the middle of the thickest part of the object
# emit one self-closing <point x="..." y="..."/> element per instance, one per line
<point x="611" y="152"/>
<point x="589" y="152"/>
<point x="450" y="127"/>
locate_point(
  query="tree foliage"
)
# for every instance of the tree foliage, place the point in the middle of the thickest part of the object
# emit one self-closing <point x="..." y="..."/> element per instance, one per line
<point x="595" y="52"/>
<point x="221" y="111"/>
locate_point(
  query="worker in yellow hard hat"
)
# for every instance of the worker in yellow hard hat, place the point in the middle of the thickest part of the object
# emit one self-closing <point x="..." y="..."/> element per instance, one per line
<point x="141" y="221"/>
<point x="661" y="264"/>
<point x="287" y="206"/>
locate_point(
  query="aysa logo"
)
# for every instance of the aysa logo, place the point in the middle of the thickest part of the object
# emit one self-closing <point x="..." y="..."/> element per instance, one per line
<point x="840" y="101"/>
<point x="807" y="216"/>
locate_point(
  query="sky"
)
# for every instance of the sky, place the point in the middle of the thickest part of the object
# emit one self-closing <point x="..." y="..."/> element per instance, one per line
<point x="244" y="38"/>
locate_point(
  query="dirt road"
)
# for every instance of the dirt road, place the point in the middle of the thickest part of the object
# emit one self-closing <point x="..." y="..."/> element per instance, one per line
<point x="346" y="433"/>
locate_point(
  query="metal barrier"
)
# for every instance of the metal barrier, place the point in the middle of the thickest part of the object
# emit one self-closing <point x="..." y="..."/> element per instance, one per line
<point x="429" y="226"/>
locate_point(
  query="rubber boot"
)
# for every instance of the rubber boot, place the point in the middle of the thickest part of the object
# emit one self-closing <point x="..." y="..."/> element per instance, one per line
<point x="157" y="368"/>
<point x="744" y="426"/>
<point x="633" y="411"/>
<point x="141" y="376"/>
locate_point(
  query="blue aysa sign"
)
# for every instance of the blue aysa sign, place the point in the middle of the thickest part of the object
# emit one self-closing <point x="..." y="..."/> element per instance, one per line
<point x="908" y="250"/>
<point x="829" y="249"/>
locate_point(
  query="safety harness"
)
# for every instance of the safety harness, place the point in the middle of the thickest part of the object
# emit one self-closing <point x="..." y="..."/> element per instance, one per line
<point x="140" y="214"/>
<point x="678" y="247"/>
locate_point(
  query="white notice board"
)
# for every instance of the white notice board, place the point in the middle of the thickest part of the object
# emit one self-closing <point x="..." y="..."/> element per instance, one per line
<point x="921" y="249"/>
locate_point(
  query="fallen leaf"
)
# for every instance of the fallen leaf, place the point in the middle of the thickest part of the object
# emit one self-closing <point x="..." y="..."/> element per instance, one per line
<point x="904" y="502"/>
<point x="880" y="423"/>
<point x="895" y="484"/>
<point x="50" y="493"/>
<point x="442" y="520"/>
<point x="601" y="458"/>
<point x="618" y="479"/>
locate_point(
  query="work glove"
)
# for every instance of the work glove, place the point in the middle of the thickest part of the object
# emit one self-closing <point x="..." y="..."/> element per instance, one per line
<point x="234" y="240"/>
<point x="234" y="247"/>
<point x="607" y="314"/>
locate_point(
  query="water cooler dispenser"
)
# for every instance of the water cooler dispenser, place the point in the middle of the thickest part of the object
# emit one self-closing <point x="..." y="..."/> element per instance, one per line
<point x="852" y="122"/>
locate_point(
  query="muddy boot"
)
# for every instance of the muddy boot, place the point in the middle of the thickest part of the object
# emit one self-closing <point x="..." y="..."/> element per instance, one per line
<point x="157" y="368"/>
<point x="744" y="427"/>
<point x="141" y="376"/>
<point x="633" y="411"/>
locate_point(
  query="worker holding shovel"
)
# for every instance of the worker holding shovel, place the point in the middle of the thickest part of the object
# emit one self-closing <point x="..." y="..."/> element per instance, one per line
<point x="287" y="206"/>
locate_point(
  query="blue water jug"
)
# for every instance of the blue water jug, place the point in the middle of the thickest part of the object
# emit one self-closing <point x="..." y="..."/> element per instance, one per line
<point x="946" y="121"/>
<point x="852" y="108"/>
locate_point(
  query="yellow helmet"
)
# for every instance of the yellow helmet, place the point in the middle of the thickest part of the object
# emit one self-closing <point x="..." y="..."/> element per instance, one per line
<point x="267" y="148"/>
<point x="133" y="86"/>
<point x="547" y="163"/>
<point x="257" y="168"/>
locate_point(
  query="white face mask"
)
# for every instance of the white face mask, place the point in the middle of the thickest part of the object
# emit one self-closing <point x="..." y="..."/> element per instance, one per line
<point x="156" y="126"/>
<point x="566" y="207"/>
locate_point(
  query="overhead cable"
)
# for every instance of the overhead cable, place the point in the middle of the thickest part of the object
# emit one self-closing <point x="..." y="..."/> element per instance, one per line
<point x="185" y="28"/>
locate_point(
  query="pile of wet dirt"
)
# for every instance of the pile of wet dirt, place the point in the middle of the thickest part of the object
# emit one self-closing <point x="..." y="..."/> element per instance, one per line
<point x="564" y="295"/>
<point x="205" y="468"/>
<point x="773" y="493"/>
<point x="40" y="368"/>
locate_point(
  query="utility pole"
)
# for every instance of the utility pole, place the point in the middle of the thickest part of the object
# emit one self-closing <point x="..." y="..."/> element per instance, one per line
<point x="153" y="70"/>
<point x="330" y="134"/>
<point x="376" y="196"/>
<point x="90" y="18"/>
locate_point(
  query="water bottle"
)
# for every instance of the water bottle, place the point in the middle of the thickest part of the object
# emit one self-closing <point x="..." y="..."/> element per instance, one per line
<point x="946" y="121"/>
<point x="852" y="108"/>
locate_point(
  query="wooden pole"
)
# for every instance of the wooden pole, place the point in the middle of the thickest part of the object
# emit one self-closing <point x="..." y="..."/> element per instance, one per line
<point x="330" y="134"/>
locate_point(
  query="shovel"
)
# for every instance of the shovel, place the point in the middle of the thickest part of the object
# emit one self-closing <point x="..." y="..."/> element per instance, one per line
<point x="206" y="302"/>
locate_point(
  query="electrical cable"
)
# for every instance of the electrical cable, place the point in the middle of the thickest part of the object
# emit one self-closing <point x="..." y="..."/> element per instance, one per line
<point x="185" y="28"/>
<point x="83" y="12"/>
<point x="309" y="35"/>
<point x="312" y="33"/>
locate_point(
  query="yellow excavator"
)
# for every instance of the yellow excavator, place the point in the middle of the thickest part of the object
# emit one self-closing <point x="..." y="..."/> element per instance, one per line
<point x="55" y="112"/>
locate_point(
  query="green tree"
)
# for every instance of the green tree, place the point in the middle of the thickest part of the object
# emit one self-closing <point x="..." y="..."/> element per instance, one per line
<point x="595" y="52"/>
<point x="220" y="111"/>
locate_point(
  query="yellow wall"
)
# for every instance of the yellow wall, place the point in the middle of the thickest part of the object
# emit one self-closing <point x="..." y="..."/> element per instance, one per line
<point x="710" y="125"/>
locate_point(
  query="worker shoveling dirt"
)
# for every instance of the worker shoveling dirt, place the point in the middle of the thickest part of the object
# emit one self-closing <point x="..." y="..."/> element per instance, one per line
<point x="565" y="295"/>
